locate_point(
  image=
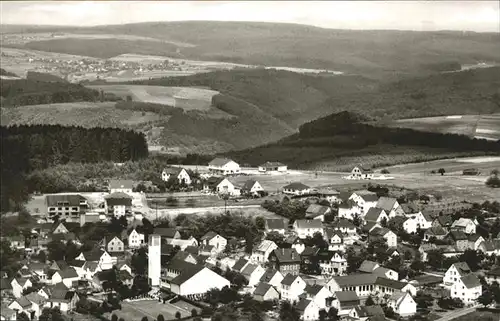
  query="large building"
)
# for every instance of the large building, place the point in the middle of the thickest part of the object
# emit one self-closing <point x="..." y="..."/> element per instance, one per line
<point x="118" y="204"/>
<point x="223" y="166"/>
<point x="66" y="206"/>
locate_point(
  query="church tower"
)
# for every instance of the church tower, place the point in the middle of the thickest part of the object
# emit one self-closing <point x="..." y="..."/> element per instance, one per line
<point x="154" y="260"/>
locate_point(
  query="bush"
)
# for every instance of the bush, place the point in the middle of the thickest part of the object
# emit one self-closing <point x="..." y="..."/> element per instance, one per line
<point x="385" y="171"/>
<point x="493" y="181"/>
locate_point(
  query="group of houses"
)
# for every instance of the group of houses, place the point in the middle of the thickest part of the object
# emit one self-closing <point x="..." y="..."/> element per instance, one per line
<point x="38" y="285"/>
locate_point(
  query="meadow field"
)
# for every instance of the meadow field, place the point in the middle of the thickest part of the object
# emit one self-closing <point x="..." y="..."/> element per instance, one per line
<point x="85" y="114"/>
<point x="478" y="126"/>
<point x="163" y="95"/>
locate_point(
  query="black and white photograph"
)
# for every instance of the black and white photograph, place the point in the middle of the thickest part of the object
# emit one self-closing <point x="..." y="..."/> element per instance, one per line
<point x="250" y="160"/>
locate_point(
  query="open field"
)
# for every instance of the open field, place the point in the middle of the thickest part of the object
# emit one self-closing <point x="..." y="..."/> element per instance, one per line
<point x="150" y="308"/>
<point x="84" y="114"/>
<point x="172" y="96"/>
<point x="455" y="166"/>
<point x="479" y="126"/>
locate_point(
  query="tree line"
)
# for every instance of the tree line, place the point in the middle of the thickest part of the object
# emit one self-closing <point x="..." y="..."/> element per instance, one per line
<point x="20" y="92"/>
<point x="28" y="148"/>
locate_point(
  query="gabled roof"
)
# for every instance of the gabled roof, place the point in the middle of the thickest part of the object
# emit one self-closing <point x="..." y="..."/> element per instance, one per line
<point x="302" y="304"/>
<point x="121" y="184"/>
<point x="462" y="222"/>
<point x="268" y="275"/>
<point x="313" y="289"/>
<point x="346" y="296"/>
<point x="373" y="214"/>
<point x="445" y="220"/>
<point x="457" y="235"/>
<point x="386" y="203"/>
<point x="344" y="223"/>
<point x="24" y="302"/>
<point x="68" y="273"/>
<point x="275" y="224"/>
<point x="172" y="170"/>
<point x="77" y="263"/>
<point x="355" y="279"/>
<point x="61" y="295"/>
<point x="249" y="269"/>
<point x="393" y="284"/>
<point x="368" y="311"/>
<point x="209" y="235"/>
<point x="219" y="162"/>
<point x="331" y="233"/>
<point x="93" y="255"/>
<point x="187" y="273"/>
<point x="118" y="198"/>
<point x="272" y="164"/>
<point x="436" y="230"/>
<point x="287" y="255"/>
<point x="316" y="224"/>
<point x="296" y="186"/>
<point x="289" y="279"/>
<point x="35" y="298"/>
<point x="409" y="208"/>
<point x="240" y="264"/>
<point x="69" y="199"/>
<point x="5" y="284"/>
<point x="315" y="210"/>
<point x="262" y="288"/>
<point x="265" y="245"/>
<point x="367" y="196"/>
<point x="368" y="266"/>
<point x="168" y="232"/>
<point x="462" y="268"/>
<point x="248" y="184"/>
<point x="470" y="281"/>
<point x="474" y="237"/>
<point x="382" y="271"/>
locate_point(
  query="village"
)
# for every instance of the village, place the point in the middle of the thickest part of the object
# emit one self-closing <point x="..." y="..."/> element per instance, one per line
<point x="323" y="254"/>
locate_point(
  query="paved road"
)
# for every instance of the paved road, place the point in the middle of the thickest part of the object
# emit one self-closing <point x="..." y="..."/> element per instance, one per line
<point x="457" y="313"/>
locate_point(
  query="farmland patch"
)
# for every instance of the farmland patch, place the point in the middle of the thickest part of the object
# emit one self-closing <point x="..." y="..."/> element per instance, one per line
<point x="188" y="98"/>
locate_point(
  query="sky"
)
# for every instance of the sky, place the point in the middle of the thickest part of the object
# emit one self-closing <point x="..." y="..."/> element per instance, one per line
<point x="479" y="15"/>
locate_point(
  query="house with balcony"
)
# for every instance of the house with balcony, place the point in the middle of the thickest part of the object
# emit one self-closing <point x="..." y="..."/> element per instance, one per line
<point x="66" y="206"/>
<point x="118" y="204"/>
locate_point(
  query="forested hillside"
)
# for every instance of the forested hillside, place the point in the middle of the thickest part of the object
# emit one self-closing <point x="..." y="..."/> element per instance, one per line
<point x="20" y="92"/>
<point x="27" y="148"/>
<point x="344" y="138"/>
<point x="373" y="53"/>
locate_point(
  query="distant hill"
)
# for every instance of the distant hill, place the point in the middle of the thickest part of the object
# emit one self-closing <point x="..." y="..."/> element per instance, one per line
<point x="340" y="140"/>
<point x="370" y="53"/>
<point x="4" y="72"/>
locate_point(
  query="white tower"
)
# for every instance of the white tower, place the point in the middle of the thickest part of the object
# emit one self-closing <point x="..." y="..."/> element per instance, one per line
<point x="154" y="260"/>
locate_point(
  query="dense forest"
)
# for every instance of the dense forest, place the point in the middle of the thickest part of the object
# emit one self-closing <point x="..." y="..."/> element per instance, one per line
<point x="343" y="139"/>
<point x="28" y="148"/>
<point x="4" y="72"/>
<point x="149" y="107"/>
<point x="19" y="92"/>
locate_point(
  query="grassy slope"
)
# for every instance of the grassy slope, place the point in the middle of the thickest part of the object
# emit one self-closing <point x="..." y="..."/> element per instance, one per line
<point x="375" y="53"/>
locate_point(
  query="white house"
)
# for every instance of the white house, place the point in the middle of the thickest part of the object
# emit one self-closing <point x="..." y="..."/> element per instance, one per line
<point x="465" y="225"/>
<point x="7" y="314"/>
<point x="332" y="262"/>
<point x="359" y="172"/>
<point x="475" y="241"/>
<point x="455" y="272"/>
<point x="104" y="260"/>
<point x="66" y="276"/>
<point x="215" y="240"/>
<point x="225" y="187"/>
<point x="317" y="212"/>
<point x="365" y="200"/>
<point x="319" y="294"/>
<point x="261" y="253"/>
<point x="197" y="279"/>
<point x="305" y="228"/>
<point x="265" y="292"/>
<point x="253" y="273"/>
<point x="178" y="172"/>
<point x="296" y="189"/>
<point x="349" y="210"/>
<point x="334" y="239"/>
<point x="403" y="304"/>
<point x="223" y="166"/>
<point x="391" y="206"/>
<point x="410" y="225"/>
<point x="273" y="277"/>
<point x="275" y="225"/>
<point x="135" y="239"/>
<point x="115" y="245"/>
<point x="118" y="204"/>
<point x="251" y="187"/>
<point x="123" y="186"/>
<point x="21" y="305"/>
<point x="182" y="243"/>
<point x="389" y="236"/>
<point x="308" y="310"/>
<point x="19" y="285"/>
<point x="376" y="214"/>
<point x="273" y="167"/>
<point x="468" y="288"/>
<point x="423" y="221"/>
<point x="63" y="299"/>
<point x="292" y="286"/>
